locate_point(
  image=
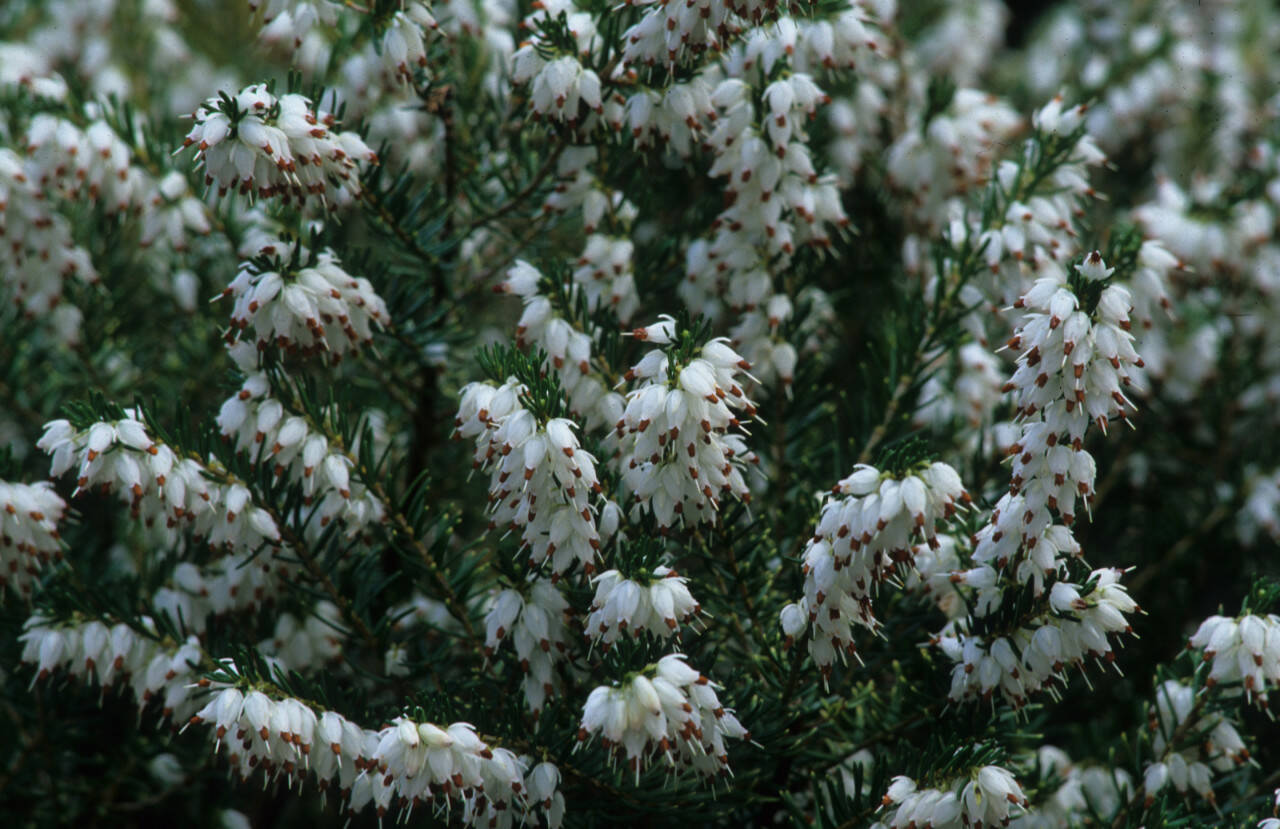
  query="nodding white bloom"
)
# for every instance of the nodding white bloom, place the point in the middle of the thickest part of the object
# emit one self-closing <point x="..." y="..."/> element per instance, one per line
<point x="265" y="145"/>
<point x="1022" y="543"/>
<point x="97" y="164"/>
<point x="559" y="86"/>
<point x="1074" y="627"/>
<point x="1244" y="650"/>
<point x="403" y="44"/>
<point x="541" y="480"/>
<point x="679" y="455"/>
<point x="117" y="655"/>
<point x="657" y="604"/>
<point x="777" y="200"/>
<point x="1074" y="360"/>
<point x="1191" y="766"/>
<point x="406" y="762"/>
<point x="541" y="784"/>
<point x="987" y="796"/>
<point x="316" y="309"/>
<point x="534" y="621"/>
<point x="676" y="35"/>
<point x="860" y="541"/>
<point x="29" y="516"/>
<point x="605" y="276"/>
<point x="170" y="496"/>
<point x="667" y="710"/>
<point x="163" y="491"/>
<point x="258" y="422"/>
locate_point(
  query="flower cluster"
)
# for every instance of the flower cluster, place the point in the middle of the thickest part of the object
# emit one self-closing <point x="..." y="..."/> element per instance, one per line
<point x="560" y="86"/>
<point x="668" y="709"/>
<point x="1243" y="650"/>
<point x="294" y="446"/>
<point x="117" y="655"/>
<point x="990" y="797"/>
<point x="860" y="541"/>
<point x="265" y="145"/>
<point x="407" y="763"/>
<point x="1219" y="748"/>
<point x="678" y="454"/>
<point x="1073" y="627"/>
<point x="315" y="309"/>
<point x="163" y="490"/>
<point x="541" y="480"/>
<point x="535" y="625"/>
<point x="39" y="253"/>
<point x="952" y="154"/>
<point x="777" y="201"/>
<point x="568" y="346"/>
<point x="29" y="516"/>
<point x="657" y="604"/>
<point x="1073" y="364"/>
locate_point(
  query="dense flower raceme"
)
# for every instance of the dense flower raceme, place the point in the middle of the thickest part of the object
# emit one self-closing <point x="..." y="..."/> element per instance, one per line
<point x="319" y="308"/>
<point x="97" y="163"/>
<point x="541" y="480"/>
<point x="657" y="604"/>
<point x="166" y="492"/>
<point x="266" y="146"/>
<point x="951" y="155"/>
<point x="256" y="421"/>
<point x="407" y="763"/>
<point x="1071" y="371"/>
<point x="64" y="163"/>
<point x="39" y="254"/>
<point x="1244" y="650"/>
<point x="682" y="440"/>
<point x="534" y="621"/>
<point x="117" y="655"/>
<point x="1073" y="628"/>
<point x="862" y="539"/>
<point x="73" y="162"/>
<point x="568" y="346"/>
<point x="989" y="797"/>
<point x="29" y="516"/>
<point x="171" y="496"/>
<point x="667" y="711"/>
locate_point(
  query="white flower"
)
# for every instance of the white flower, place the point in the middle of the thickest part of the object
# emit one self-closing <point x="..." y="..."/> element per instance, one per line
<point x="859" y="542"/>
<point x="622" y="604"/>
<point x="536" y="627"/>
<point x="667" y="709"/>
<point x="269" y="146"/>
<point x="990" y="796"/>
